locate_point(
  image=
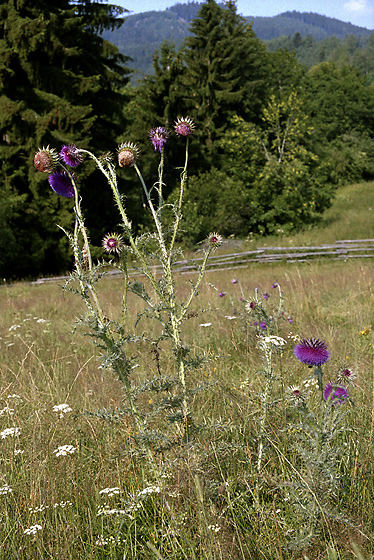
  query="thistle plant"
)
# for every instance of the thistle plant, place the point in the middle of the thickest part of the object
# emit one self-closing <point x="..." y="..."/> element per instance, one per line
<point x="318" y="437"/>
<point x="112" y="335"/>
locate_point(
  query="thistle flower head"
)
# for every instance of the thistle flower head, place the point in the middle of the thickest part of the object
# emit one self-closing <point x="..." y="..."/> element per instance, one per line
<point x="312" y="352"/>
<point x="184" y="126"/>
<point x="345" y="376"/>
<point x="46" y="159"/>
<point x="215" y="240"/>
<point x="158" y="137"/>
<point x="335" y="394"/>
<point x="128" y="153"/>
<point x="71" y="155"/>
<point x="61" y="184"/>
<point x="113" y="243"/>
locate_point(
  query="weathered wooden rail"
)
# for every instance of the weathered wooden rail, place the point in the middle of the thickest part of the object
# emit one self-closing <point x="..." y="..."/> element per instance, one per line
<point x="340" y="250"/>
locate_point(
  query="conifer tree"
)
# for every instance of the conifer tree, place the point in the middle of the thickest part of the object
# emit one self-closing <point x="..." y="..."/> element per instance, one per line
<point x="226" y="66"/>
<point x="59" y="83"/>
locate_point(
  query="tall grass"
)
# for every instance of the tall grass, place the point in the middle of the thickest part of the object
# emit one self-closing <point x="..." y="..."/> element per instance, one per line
<point x="211" y="502"/>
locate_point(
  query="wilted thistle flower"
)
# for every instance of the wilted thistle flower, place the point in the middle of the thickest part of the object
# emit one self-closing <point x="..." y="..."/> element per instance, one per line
<point x="335" y="394"/>
<point x="71" y="155"/>
<point x="45" y="160"/>
<point x="61" y="184"/>
<point x="312" y="352"/>
<point x="128" y="153"/>
<point x="158" y="137"/>
<point x="184" y="126"/>
<point x="113" y="243"/>
<point x="215" y="240"/>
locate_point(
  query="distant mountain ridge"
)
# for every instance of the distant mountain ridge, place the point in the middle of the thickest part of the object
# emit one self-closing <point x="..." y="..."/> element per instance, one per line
<point x="142" y="34"/>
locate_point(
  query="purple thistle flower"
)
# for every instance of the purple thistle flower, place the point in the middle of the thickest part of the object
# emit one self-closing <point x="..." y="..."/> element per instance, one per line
<point x="263" y="325"/>
<point x="158" y="137"/>
<point x="252" y="305"/>
<point x="234" y="281"/>
<point x="222" y="294"/>
<point x="290" y="320"/>
<point x="312" y="352"/>
<point x="255" y="323"/>
<point x="335" y="394"/>
<point x="275" y="285"/>
<point x="265" y="296"/>
<point x="61" y="184"/>
<point x="70" y="155"/>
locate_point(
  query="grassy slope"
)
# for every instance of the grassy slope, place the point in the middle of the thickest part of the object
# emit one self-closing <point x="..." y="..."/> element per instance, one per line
<point x="350" y="217"/>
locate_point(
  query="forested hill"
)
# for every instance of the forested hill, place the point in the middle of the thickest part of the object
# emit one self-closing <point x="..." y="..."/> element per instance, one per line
<point x="142" y="34"/>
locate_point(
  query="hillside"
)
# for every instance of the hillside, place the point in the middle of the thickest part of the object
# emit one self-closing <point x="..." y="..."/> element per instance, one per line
<point x="142" y="34"/>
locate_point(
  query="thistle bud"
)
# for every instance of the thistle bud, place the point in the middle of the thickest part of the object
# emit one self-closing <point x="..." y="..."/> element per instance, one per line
<point x="46" y="159"/>
<point x="128" y="153"/>
<point x="184" y="126"/>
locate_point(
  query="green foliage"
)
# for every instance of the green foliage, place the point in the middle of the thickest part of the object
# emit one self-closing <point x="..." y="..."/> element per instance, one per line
<point x="59" y="83"/>
<point x="269" y="183"/>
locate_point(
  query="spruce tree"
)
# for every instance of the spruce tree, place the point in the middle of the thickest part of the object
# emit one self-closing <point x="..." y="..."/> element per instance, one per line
<point x="59" y="83"/>
<point x="225" y="75"/>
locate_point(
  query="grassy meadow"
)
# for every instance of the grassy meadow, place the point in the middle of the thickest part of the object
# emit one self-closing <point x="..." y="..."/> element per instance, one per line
<point x="74" y="482"/>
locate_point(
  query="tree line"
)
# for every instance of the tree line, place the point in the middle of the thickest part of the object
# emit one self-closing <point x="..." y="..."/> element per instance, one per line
<point x="273" y="139"/>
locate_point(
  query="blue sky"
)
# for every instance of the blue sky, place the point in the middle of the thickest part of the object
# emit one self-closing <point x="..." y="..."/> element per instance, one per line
<point x="358" y="12"/>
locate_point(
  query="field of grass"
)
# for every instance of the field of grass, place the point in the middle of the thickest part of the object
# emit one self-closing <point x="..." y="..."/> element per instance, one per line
<point x="263" y="476"/>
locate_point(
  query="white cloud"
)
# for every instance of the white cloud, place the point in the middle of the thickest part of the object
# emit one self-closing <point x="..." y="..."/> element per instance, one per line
<point x="356" y="6"/>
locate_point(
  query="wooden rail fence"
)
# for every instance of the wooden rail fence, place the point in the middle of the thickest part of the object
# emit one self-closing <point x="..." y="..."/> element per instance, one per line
<point x="340" y="250"/>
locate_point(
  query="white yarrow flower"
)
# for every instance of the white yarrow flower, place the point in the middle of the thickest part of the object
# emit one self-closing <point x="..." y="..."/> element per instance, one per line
<point x="32" y="530"/>
<point x="62" y="409"/>
<point x="64" y="450"/>
<point x="5" y="490"/>
<point x="12" y="432"/>
<point x="110" y="491"/>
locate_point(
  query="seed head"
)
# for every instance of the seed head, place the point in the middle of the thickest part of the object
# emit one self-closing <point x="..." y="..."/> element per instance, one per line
<point x="128" y="153"/>
<point x="184" y="126"/>
<point x="46" y="159"/>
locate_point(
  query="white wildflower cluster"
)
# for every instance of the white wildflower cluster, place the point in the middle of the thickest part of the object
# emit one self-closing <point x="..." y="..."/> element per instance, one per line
<point x="6" y="411"/>
<point x="18" y="451"/>
<point x="16" y="398"/>
<point x="293" y="337"/>
<point x="64" y="450"/>
<point x="230" y="317"/>
<point x="150" y="490"/>
<point x="110" y="491"/>
<point x="43" y="507"/>
<point x="214" y="528"/>
<point x="4" y="490"/>
<point x="205" y="324"/>
<point x="63" y="505"/>
<point x="107" y="510"/>
<point x="38" y="509"/>
<point x="14" y="328"/>
<point x="11" y="432"/>
<point x="275" y="340"/>
<point x="101" y="541"/>
<point x="32" y="530"/>
<point x="62" y="409"/>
